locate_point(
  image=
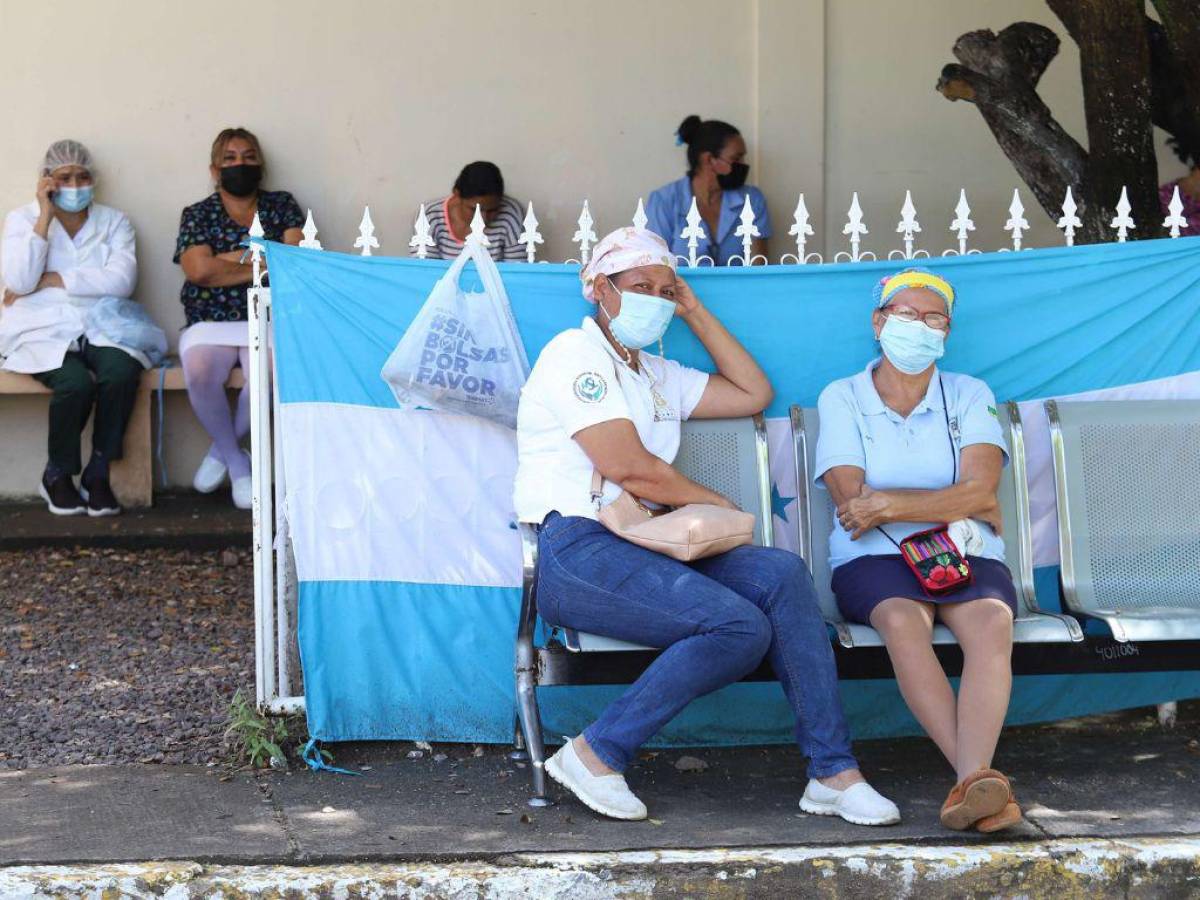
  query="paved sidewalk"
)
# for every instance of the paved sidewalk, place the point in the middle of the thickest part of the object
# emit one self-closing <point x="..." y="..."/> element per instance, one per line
<point x="1113" y="777"/>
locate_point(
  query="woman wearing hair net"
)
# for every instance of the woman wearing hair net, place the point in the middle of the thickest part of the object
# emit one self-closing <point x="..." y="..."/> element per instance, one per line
<point x="64" y="254"/>
<point x="597" y="402"/>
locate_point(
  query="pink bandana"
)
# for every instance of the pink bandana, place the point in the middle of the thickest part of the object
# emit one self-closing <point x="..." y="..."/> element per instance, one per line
<point x="625" y="248"/>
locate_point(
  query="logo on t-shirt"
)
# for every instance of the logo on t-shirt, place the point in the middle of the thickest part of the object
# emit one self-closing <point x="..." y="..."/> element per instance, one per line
<point x="590" y="387"/>
<point x="662" y="409"/>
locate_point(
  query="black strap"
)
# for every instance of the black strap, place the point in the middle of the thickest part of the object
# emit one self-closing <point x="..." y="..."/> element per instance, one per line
<point x="953" y="451"/>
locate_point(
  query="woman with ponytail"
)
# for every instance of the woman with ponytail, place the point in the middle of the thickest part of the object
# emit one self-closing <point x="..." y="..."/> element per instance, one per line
<point x="716" y="179"/>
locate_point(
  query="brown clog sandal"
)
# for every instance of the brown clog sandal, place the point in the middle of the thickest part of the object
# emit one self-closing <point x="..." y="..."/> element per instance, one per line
<point x="1006" y="818"/>
<point x="979" y="795"/>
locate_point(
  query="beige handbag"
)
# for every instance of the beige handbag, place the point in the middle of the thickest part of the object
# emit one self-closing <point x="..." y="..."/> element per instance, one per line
<point x="690" y="532"/>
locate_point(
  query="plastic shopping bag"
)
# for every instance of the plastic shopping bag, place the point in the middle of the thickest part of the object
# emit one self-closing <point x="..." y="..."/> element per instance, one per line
<point x="462" y="353"/>
<point x="126" y="322"/>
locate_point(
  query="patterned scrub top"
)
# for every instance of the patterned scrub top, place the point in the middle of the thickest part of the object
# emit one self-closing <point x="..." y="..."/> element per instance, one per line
<point x="207" y="222"/>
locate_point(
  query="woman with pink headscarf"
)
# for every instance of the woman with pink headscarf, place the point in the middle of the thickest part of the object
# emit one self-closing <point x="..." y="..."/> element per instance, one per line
<point x="596" y="401"/>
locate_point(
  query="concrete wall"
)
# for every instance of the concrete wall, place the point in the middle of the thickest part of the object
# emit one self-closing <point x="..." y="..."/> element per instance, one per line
<point x="382" y="103"/>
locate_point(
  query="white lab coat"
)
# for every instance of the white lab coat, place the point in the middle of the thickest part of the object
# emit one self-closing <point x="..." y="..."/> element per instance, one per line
<point x="39" y="328"/>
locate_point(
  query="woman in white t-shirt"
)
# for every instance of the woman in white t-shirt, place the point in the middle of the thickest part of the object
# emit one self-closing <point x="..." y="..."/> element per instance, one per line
<point x="595" y="401"/>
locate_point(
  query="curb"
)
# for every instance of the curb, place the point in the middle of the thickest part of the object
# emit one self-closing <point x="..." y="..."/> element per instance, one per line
<point x="1089" y="868"/>
<point x="206" y="541"/>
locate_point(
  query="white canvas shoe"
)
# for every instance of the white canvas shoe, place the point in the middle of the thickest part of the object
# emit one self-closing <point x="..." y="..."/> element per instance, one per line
<point x="210" y="475"/>
<point x="608" y="795"/>
<point x="243" y="492"/>
<point x="859" y="804"/>
<point x="243" y="489"/>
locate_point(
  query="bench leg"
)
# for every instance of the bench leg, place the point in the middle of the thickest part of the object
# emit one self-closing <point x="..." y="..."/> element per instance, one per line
<point x="1167" y="713"/>
<point x="519" y="753"/>
<point x="531" y="732"/>
<point x="133" y="476"/>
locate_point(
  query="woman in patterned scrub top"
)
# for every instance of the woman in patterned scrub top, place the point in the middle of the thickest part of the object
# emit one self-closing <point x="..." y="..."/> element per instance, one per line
<point x="217" y="338"/>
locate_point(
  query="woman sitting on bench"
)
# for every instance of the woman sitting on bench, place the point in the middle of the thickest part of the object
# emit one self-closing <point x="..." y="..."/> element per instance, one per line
<point x="62" y="255"/>
<point x="904" y="448"/>
<point x="218" y="271"/>
<point x="596" y="402"/>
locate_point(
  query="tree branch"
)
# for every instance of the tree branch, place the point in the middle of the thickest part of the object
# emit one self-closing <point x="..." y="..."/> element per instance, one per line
<point x="999" y="75"/>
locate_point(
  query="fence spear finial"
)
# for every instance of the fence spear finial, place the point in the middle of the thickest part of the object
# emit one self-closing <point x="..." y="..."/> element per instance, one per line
<point x="530" y="237"/>
<point x="422" y="238"/>
<point x="366" y="239"/>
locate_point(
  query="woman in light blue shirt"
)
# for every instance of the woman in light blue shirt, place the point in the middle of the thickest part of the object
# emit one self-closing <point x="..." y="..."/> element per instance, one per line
<point x="904" y="447"/>
<point x="716" y="178"/>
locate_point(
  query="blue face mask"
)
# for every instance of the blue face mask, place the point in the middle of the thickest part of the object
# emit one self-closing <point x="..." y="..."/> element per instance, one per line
<point x="912" y="347"/>
<point x="642" y="320"/>
<point x="73" y="199"/>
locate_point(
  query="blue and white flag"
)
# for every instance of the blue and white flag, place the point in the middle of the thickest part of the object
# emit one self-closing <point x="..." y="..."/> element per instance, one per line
<point x="406" y="549"/>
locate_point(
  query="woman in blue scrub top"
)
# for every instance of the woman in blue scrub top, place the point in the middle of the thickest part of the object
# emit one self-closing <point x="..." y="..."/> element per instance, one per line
<point x="716" y="177"/>
<point x="904" y="447"/>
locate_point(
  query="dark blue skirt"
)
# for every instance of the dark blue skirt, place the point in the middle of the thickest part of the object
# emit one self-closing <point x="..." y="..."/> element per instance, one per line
<point x="862" y="584"/>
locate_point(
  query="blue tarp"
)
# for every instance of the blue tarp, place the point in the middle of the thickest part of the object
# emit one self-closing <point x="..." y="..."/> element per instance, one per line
<point x="432" y="658"/>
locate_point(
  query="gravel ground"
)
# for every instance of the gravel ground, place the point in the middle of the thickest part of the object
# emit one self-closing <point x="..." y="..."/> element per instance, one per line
<point x="112" y="656"/>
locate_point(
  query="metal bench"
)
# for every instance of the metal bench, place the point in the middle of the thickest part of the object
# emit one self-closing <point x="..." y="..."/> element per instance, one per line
<point x="1127" y="475"/>
<point x="725" y="455"/>
<point x="816" y="521"/>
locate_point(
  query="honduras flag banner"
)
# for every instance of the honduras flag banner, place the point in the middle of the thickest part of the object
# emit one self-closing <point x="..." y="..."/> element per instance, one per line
<point x="406" y="548"/>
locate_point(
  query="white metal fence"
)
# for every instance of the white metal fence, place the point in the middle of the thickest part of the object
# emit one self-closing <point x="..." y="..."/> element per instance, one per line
<point x="801" y="229"/>
<point x="275" y="582"/>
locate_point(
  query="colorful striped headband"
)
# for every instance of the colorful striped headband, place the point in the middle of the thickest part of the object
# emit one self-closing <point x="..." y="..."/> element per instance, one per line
<point x="913" y="278"/>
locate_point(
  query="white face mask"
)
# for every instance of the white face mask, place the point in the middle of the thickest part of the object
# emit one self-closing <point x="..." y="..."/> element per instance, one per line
<point x="912" y="347"/>
<point x="643" y="319"/>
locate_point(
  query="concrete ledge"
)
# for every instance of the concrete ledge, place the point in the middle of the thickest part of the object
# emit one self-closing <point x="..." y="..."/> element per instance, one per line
<point x="1094" y="869"/>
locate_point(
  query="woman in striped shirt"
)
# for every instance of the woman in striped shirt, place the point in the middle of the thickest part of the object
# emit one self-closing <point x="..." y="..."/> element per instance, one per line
<point x="478" y="184"/>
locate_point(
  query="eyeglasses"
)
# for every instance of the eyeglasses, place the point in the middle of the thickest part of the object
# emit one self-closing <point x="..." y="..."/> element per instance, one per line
<point x="935" y="320"/>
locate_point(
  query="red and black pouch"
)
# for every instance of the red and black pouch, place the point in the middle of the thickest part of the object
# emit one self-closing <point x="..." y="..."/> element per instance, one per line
<point x="936" y="562"/>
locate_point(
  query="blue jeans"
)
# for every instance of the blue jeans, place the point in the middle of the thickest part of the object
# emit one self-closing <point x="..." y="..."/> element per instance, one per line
<point x="715" y="618"/>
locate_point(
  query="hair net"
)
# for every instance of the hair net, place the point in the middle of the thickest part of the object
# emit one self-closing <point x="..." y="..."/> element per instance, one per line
<point x="625" y="248"/>
<point x="66" y="153"/>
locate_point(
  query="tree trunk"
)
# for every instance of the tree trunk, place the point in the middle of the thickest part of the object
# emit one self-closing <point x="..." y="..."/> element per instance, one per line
<point x="1114" y="56"/>
<point x="1175" y="53"/>
<point x="1136" y="73"/>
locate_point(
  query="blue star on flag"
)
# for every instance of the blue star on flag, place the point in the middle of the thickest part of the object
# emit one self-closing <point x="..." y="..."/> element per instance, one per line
<point x="779" y="503"/>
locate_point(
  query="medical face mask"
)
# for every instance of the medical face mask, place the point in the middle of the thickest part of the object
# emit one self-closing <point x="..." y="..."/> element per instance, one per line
<point x="736" y="177"/>
<point x="241" y="181"/>
<point x="642" y="320"/>
<point x="73" y="199"/>
<point x="912" y="347"/>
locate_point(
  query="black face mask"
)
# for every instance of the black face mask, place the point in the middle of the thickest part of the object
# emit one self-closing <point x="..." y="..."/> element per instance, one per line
<point x="241" y="181"/>
<point x="735" y="179"/>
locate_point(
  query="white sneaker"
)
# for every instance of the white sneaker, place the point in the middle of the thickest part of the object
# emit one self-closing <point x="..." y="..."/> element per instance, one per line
<point x="210" y="475"/>
<point x="608" y="795"/>
<point x="859" y="804"/>
<point x="243" y="492"/>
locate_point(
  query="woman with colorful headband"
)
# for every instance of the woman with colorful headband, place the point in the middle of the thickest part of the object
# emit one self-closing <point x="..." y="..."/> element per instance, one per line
<point x="596" y="401"/>
<point x="904" y="448"/>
